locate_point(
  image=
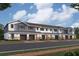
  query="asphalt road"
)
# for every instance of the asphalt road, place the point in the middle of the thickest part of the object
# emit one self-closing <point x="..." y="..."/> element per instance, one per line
<point x="22" y="46"/>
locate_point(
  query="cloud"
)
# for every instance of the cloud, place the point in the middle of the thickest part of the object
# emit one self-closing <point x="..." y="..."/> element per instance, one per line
<point x="41" y="16"/>
<point x="75" y="24"/>
<point x="43" y="5"/>
<point x="31" y="7"/>
<point x="22" y="3"/>
<point x="64" y="7"/>
<point x="46" y="14"/>
<point x="19" y="14"/>
<point x="65" y="14"/>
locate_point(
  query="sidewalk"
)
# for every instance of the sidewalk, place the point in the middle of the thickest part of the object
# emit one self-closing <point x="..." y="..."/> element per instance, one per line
<point x="48" y="41"/>
<point x="17" y="42"/>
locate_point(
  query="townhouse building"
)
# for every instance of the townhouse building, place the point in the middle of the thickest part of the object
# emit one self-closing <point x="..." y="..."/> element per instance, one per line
<point x="18" y="30"/>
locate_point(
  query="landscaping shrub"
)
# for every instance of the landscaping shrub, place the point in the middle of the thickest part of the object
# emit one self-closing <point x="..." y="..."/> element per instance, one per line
<point x="76" y="53"/>
<point x="69" y="54"/>
<point x="1" y="34"/>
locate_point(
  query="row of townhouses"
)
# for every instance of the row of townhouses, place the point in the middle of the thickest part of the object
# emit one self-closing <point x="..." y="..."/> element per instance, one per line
<point x="18" y="30"/>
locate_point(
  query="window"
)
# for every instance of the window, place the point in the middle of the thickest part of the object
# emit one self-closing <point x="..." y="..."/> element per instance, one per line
<point x="37" y="28"/>
<point x="11" y="25"/>
<point x="50" y="29"/>
<point x="30" y="28"/>
<point x="55" y="30"/>
<point x="46" y="29"/>
<point x="22" y="27"/>
<point x="70" y="37"/>
<point x="70" y="30"/>
<point x="66" y="31"/>
<point x="60" y="29"/>
<point x="42" y="29"/>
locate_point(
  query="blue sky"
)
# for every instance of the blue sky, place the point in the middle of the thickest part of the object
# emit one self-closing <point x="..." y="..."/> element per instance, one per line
<point x="60" y="14"/>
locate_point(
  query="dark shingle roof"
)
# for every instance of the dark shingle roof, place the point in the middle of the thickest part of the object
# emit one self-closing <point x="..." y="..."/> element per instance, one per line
<point x="45" y="25"/>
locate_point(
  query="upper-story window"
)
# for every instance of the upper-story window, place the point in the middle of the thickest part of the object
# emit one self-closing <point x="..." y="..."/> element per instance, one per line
<point x="55" y="30"/>
<point x="70" y="30"/>
<point x="46" y="29"/>
<point x="42" y="29"/>
<point x="22" y="27"/>
<point x="11" y="25"/>
<point x="37" y="28"/>
<point x="61" y="30"/>
<point x="66" y="31"/>
<point x="50" y="29"/>
<point x="30" y="28"/>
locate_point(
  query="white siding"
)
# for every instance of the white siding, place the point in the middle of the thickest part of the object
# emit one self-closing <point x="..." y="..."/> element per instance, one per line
<point x="17" y="36"/>
<point x="14" y="27"/>
<point x="9" y="27"/>
<point x="48" y="31"/>
<point x="7" y="36"/>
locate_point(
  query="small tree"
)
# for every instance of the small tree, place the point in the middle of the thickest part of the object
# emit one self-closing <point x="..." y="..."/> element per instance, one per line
<point x="75" y="5"/>
<point x="1" y="34"/>
<point x="77" y="32"/>
<point x="4" y="6"/>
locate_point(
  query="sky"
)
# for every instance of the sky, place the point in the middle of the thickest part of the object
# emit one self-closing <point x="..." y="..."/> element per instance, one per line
<point x="58" y="14"/>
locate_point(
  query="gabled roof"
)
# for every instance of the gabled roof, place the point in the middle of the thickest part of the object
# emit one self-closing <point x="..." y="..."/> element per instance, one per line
<point x="35" y="24"/>
<point x="16" y="21"/>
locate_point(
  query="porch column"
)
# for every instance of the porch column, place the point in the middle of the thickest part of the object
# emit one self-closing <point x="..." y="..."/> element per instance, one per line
<point x="74" y="36"/>
<point x="38" y="36"/>
<point x="53" y="36"/>
<point x="64" y="37"/>
<point x="35" y="36"/>
<point x="60" y="36"/>
<point x="69" y="37"/>
<point x="27" y="36"/>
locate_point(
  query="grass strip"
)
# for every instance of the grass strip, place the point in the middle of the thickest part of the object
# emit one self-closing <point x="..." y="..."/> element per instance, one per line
<point x="61" y="53"/>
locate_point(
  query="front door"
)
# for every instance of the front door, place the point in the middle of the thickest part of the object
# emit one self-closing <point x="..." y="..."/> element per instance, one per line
<point x="43" y="37"/>
<point x="56" y="37"/>
<point x="23" y="37"/>
<point x="31" y="37"/>
<point x="66" y="37"/>
<point x="70" y="37"/>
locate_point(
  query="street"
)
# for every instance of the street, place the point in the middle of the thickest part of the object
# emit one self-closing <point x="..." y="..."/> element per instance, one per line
<point x="22" y="46"/>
